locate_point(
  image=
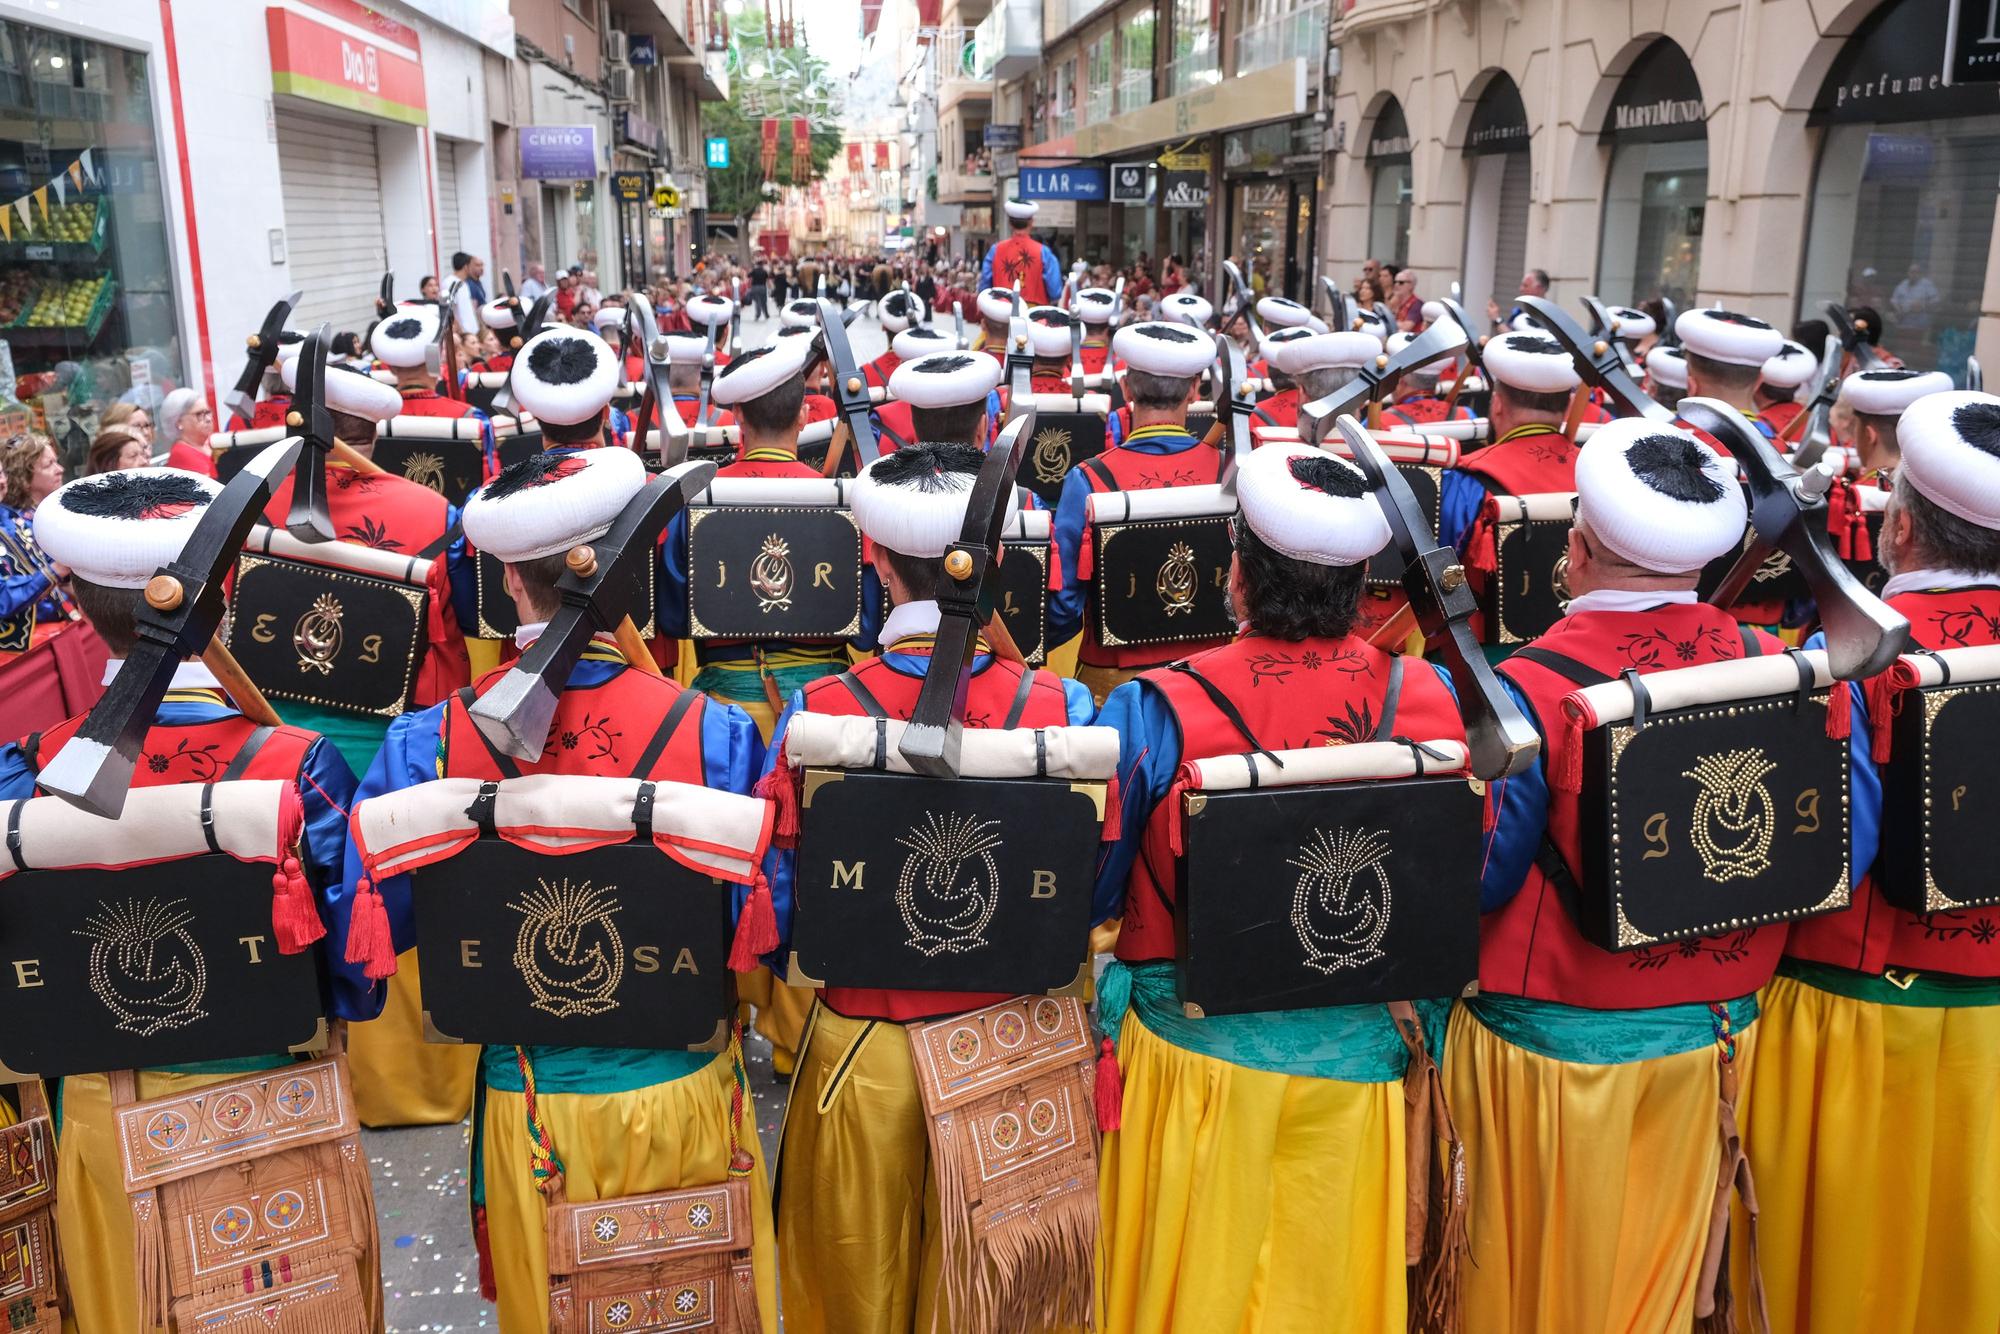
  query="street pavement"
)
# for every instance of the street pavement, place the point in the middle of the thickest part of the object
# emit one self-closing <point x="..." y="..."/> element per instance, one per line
<point x="430" y="1270"/>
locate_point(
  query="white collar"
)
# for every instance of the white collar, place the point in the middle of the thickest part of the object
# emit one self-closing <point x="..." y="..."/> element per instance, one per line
<point x="910" y="618"/>
<point x="1629" y="599"/>
<point x="1919" y="581"/>
<point x="525" y="635"/>
<point x="187" y="676"/>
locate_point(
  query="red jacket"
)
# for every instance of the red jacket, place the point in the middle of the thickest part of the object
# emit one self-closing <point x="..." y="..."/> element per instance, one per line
<point x="1019" y="257"/>
<point x="430" y="403"/>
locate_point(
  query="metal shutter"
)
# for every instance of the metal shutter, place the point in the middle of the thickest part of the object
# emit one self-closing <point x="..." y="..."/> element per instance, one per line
<point x="1510" y="233"/>
<point x="333" y="218"/>
<point x="447" y="224"/>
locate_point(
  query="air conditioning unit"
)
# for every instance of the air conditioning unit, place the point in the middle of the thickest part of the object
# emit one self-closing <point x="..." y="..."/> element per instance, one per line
<point x="618" y="46"/>
<point x="618" y="80"/>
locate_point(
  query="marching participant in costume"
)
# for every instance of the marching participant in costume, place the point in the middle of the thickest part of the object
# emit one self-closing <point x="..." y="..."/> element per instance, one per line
<point x="1098" y="308"/>
<point x="402" y="342"/>
<point x="858" y="1215"/>
<point x="502" y="316"/>
<point x="1280" y="407"/>
<point x="1588" y="1082"/>
<point x="624" y="1121"/>
<point x="1879" y="1047"/>
<point x="1416" y="399"/>
<point x="1164" y="363"/>
<point x="276" y="400"/>
<point x="711" y="311"/>
<point x="1187" y="308"/>
<point x="1878" y="399"/>
<point x="996" y="308"/>
<point x="799" y="313"/>
<point x="1049" y="337"/>
<point x="113" y="532"/>
<point x="1666" y="374"/>
<point x="1726" y="352"/>
<point x="892" y="416"/>
<point x="1778" y="385"/>
<point x="900" y="311"/>
<point x="1533" y="380"/>
<point x="684" y="357"/>
<point x="1211" y="1218"/>
<point x="565" y="379"/>
<point x="1021" y="259"/>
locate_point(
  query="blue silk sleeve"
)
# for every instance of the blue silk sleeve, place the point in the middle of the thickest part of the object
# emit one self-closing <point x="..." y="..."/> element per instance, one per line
<point x="1459" y="497"/>
<point x="986" y="270"/>
<point x="780" y="863"/>
<point x="409" y="756"/>
<point x="1864" y="797"/>
<point x="1521" y="820"/>
<point x="1052" y="279"/>
<point x="1077" y="699"/>
<point x="732" y="759"/>
<point x="870" y="638"/>
<point x="671" y="609"/>
<point x="1149" y="752"/>
<point x="463" y="569"/>
<point x="17" y="780"/>
<point x="1114" y="431"/>
<point x="326" y="790"/>
<point x="18" y="592"/>
<point x="1066" y="602"/>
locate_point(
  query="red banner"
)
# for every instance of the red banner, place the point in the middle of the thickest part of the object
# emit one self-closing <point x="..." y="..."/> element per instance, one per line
<point x="881" y="155"/>
<point x="854" y="159"/>
<point x="769" y="156"/>
<point x="802" y="153"/>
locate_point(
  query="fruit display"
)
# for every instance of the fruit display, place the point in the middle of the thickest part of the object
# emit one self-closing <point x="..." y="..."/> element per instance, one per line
<point x="65" y="222"/>
<point x="62" y="303"/>
<point x="17" y="289"/>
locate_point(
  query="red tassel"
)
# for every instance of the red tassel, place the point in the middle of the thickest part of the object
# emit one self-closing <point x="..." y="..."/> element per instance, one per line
<point x="1055" y="576"/>
<point x="1839" y="522"/>
<point x="368" y="940"/>
<point x="1110" y="1088"/>
<point x="1086" y="559"/>
<point x="779" y="788"/>
<point x="1883" y="699"/>
<point x="1114" y="813"/>
<point x="756" y="929"/>
<point x="1568" y="775"/>
<point x="294" y="913"/>
<point x="1839" y="711"/>
<point x="1489" y="810"/>
<point x="489" y="1286"/>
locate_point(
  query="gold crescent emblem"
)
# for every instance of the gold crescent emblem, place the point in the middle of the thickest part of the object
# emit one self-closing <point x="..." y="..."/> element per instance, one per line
<point x="1052" y="455"/>
<point x="145" y="966"/>
<point x="568" y="949"/>
<point x="771" y="575"/>
<point x="1559" y="583"/>
<point x="317" y="635"/>
<point x="425" y="470"/>
<point x="1776" y="566"/>
<point x="1177" y="580"/>
<point x="1733" y="817"/>
<point x="949" y="884"/>
<point x="1340" y="906"/>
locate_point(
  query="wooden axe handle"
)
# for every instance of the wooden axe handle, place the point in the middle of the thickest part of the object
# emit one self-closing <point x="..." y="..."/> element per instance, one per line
<point x="1395" y="630"/>
<point x="347" y="454"/>
<point x="250" y="701"/>
<point x="633" y="646"/>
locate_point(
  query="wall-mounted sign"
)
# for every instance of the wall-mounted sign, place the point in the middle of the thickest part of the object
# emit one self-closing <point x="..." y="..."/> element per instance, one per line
<point x="559" y="152"/>
<point x="381" y="74"/>
<point x="1131" y="183"/>
<point x="1003" y="136"/>
<point x="717" y="156"/>
<point x="1184" y="189"/>
<point x="641" y="50"/>
<point x="629" y="186"/>
<point x="1389" y="137"/>
<point x="1885" y="73"/>
<point x="1658" y="99"/>
<point x="634" y="128"/>
<point x="1062" y="183"/>
<point x="1499" y="121"/>
<point x="1189" y="156"/>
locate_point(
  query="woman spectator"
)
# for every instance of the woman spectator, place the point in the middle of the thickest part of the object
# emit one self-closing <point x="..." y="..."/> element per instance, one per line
<point x="427" y="287"/>
<point x="189" y="422"/>
<point x="29" y="470"/>
<point x="32" y="469"/>
<point x="117" y="451"/>
<point x="1365" y="294"/>
<point x="127" y="417"/>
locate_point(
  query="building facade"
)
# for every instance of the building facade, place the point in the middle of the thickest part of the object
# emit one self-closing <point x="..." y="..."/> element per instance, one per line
<point x="1768" y="156"/>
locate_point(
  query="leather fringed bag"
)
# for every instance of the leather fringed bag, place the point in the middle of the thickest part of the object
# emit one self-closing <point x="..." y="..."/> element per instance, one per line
<point x="251" y="1204"/>
<point x="642" y="1264"/>
<point x="31" y="1296"/>
<point x="1008" y="1096"/>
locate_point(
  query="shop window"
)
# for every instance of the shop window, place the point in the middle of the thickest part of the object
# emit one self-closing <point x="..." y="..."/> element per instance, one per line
<point x="1389" y="213"/>
<point x="1902" y="220"/>
<point x="1654" y="207"/>
<point x="1135" y="59"/>
<point x="87" y="305"/>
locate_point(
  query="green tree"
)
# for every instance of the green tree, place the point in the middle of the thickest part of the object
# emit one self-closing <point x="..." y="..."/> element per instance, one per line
<point x="782" y="82"/>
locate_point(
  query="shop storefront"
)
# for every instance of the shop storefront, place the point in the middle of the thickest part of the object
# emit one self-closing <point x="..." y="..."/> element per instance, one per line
<point x="1656" y="194"/>
<point x="1902" y="212"/>
<point x="1499" y="179"/>
<point x="1184" y="188"/>
<point x="563" y="160"/>
<point x="87" y="304"/>
<point x="1272" y="176"/>
<point x="1391" y="184"/>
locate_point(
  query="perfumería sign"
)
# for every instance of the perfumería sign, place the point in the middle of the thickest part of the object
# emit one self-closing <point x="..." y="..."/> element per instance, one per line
<point x="559" y="152"/>
<point x="351" y="57"/>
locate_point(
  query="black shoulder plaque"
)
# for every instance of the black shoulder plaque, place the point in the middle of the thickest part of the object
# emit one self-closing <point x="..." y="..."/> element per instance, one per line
<point x="968" y="884"/>
<point x="1938" y="807"/>
<point x="1712" y="818"/>
<point x="1022" y="602"/>
<point x="497" y="618"/>
<point x="452" y="468"/>
<point x="1529" y="589"/>
<point x="773" y="572"/>
<point x="1385" y="568"/>
<point x="616" y="947"/>
<point x="165" y="965"/>
<point x="1337" y="894"/>
<point x="329" y="637"/>
<point x="1061" y="441"/>
<point x="1163" y="581"/>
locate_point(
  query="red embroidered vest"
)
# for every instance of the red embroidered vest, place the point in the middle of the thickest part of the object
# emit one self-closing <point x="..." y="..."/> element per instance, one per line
<point x="878" y="371"/>
<point x="1019" y="258"/>
<point x="1094" y="355"/>
<point x="429" y="403"/>
<point x="193" y="752"/>
<point x="1530" y="947"/>
<point x="1872" y="935"/>
<point x="1317" y="692"/>
<point x="1423" y="408"/>
<point x="989" y="701"/>
<point x="390" y="513"/>
<point x="1779" y="415"/>
<point x="606" y="730"/>
<point x="270" y="411"/>
<point x="1278" y="409"/>
<point x="894" y="416"/>
<point x="1122" y="469"/>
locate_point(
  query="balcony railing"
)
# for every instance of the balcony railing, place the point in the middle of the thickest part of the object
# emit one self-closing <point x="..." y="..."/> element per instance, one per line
<point x="1135" y="90"/>
<point x="1008" y="41"/>
<point x="1097" y="105"/>
<point x="1285" y="37"/>
<point x="1062" y="124"/>
<point x="1197" y="69"/>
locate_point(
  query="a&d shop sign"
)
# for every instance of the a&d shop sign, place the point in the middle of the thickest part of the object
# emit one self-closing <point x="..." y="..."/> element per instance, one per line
<point x="1062" y="183"/>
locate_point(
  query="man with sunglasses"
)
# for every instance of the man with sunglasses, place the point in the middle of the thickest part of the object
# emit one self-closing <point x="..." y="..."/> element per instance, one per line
<point x="1404" y="301"/>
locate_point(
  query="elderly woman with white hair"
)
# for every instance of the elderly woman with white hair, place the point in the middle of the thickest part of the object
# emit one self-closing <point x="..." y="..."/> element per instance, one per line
<point x="187" y="419"/>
